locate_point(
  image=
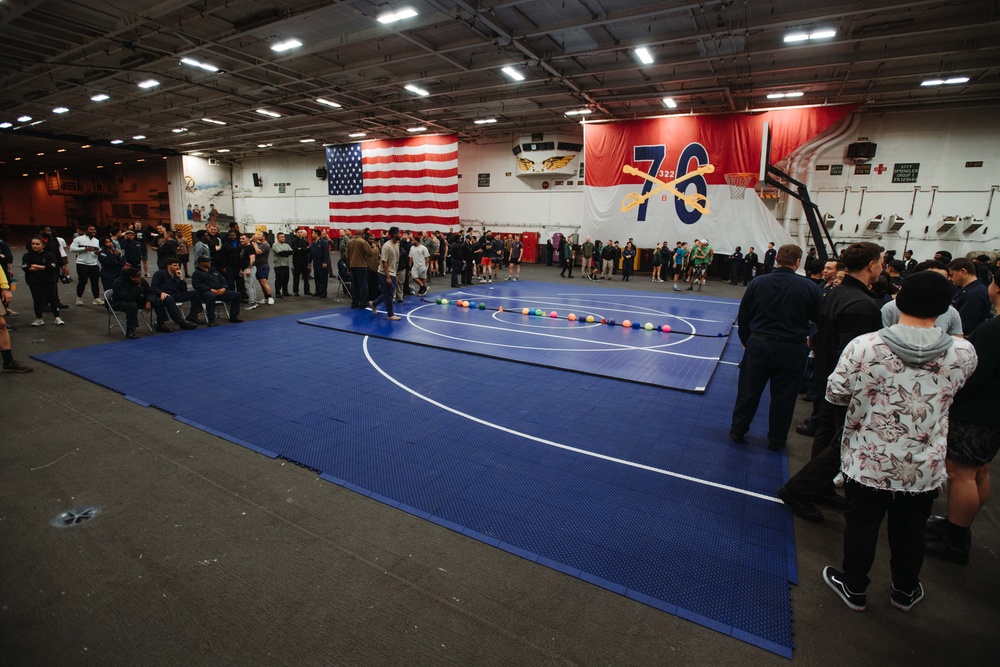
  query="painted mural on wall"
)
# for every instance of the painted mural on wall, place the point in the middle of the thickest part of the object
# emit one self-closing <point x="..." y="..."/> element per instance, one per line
<point x="208" y="193"/>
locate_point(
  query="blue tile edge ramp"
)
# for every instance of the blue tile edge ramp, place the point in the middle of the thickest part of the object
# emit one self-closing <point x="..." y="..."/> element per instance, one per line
<point x="358" y="469"/>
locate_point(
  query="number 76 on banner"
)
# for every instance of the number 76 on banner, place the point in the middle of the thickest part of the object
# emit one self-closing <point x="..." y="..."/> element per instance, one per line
<point x="689" y="207"/>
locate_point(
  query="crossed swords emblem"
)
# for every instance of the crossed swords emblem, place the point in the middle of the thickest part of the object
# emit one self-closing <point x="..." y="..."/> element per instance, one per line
<point x="697" y="201"/>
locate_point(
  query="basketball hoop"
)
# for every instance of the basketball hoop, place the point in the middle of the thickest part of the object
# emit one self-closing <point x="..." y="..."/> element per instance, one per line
<point x="739" y="182"/>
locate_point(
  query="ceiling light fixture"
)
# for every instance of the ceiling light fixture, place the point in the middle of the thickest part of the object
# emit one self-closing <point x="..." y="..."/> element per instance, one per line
<point x="416" y="129"/>
<point x="329" y="103"/>
<point x="60" y="110"/>
<point x="100" y="166"/>
<point x="825" y="33"/>
<point x="264" y="145"/>
<point x="306" y="141"/>
<point x="197" y="153"/>
<point x="23" y="119"/>
<point x="485" y="121"/>
<point x="579" y="112"/>
<point x="191" y="62"/>
<point x="99" y="97"/>
<point x="669" y="102"/>
<point x="39" y="154"/>
<point x="61" y="150"/>
<point x="398" y="15"/>
<point x="5" y="125"/>
<point x="142" y="159"/>
<point x="117" y="141"/>
<point x="512" y="73"/>
<point x="778" y="96"/>
<point x="178" y="130"/>
<point x="222" y="150"/>
<point x="939" y="82"/>
<point x="957" y="79"/>
<point x="645" y="57"/>
<point x="37" y="122"/>
<point x="358" y="135"/>
<point x="148" y="83"/>
<point x="139" y="137"/>
<point x="213" y="121"/>
<point x="286" y="45"/>
<point x="117" y="162"/>
<point x="85" y="146"/>
<point x="416" y="90"/>
<point x="271" y="114"/>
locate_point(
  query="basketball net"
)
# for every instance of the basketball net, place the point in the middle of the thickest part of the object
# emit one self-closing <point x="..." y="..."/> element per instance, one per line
<point x="738" y="183"/>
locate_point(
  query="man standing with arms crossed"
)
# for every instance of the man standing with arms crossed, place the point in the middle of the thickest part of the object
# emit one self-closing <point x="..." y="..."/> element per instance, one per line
<point x="388" y="262"/>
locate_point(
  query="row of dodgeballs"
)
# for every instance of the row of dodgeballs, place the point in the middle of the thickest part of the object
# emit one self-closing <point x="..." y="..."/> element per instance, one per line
<point x="590" y="319"/>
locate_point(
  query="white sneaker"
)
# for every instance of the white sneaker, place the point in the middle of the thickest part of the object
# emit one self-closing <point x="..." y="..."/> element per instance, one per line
<point x="250" y="306"/>
<point x="98" y="302"/>
<point x="60" y="321"/>
<point x="37" y="323"/>
<point x="12" y="312"/>
<point x="270" y="300"/>
<point x="79" y="301"/>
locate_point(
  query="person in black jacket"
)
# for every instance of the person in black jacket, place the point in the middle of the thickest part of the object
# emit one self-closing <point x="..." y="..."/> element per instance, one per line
<point x="112" y="262"/>
<point x="319" y="252"/>
<point x="132" y="249"/>
<point x="212" y="286"/>
<point x="170" y="281"/>
<point x="130" y="293"/>
<point x="848" y="311"/>
<point x="300" y="262"/>
<point x="41" y="272"/>
<point x="456" y="252"/>
<point x="750" y="266"/>
<point x="230" y="255"/>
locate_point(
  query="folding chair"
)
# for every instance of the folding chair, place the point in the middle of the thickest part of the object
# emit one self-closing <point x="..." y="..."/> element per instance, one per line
<point x="144" y="317"/>
<point x="344" y="277"/>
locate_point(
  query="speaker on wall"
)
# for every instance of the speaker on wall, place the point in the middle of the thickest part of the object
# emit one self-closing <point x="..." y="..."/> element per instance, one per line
<point x="862" y="150"/>
<point x="321" y="173"/>
<point x="256" y="181"/>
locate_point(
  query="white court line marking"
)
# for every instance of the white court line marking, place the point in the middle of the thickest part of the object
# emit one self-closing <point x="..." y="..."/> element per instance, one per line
<point x="615" y="347"/>
<point x="731" y="363"/>
<point x="550" y="443"/>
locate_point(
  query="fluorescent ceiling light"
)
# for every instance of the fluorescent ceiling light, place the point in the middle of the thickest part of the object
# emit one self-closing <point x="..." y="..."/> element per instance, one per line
<point x="85" y="146"/>
<point x="398" y="15"/>
<point x="306" y="141"/>
<point x="794" y="94"/>
<point x="579" y="112"/>
<point x="117" y="141"/>
<point x="148" y="83"/>
<point x="826" y="33"/>
<point x="61" y="150"/>
<point x="263" y="145"/>
<point x="23" y="119"/>
<point x="329" y="103"/>
<point x="644" y="55"/>
<point x="213" y="121"/>
<point x="197" y="153"/>
<point x="139" y="137"/>
<point x="669" y="102"/>
<point x="778" y="96"/>
<point x="60" y="110"/>
<point x="117" y="162"/>
<point x="796" y="37"/>
<point x="957" y="79"/>
<point x="38" y="122"/>
<point x="414" y="89"/>
<point x="285" y="45"/>
<point x="932" y="82"/>
<point x="39" y="154"/>
<point x="513" y="73"/>
<point x="356" y="135"/>
<point x="99" y="97"/>
<point x="142" y="159"/>
<point x="485" y="121"/>
<point x="5" y="125"/>
<point x="265" y="112"/>
<point x="100" y="166"/>
<point x="197" y="63"/>
<point x="178" y="130"/>
<point x="222" y="150"/>
<point x="416" y="129"/>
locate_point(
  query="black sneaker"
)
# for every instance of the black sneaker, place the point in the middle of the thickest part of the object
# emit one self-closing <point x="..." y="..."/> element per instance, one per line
<point x="834" y="578"/>
<point x="905" y="601"/>
<point x="16" y="367"/>
<point x="937" y="526"/>
<point x="941" y="547"/>
<point x="131" y="335"/>
<point x="800" y="507"/>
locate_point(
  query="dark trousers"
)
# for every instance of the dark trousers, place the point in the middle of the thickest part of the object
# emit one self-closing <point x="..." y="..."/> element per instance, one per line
<point x="131" y="310"/>
<point x="281" y="280"/>
<point x="45" y="294"/>
<point x="736" y="273"/>
<point x="781" y="364"/>
<point x="193" y="297"/>
<point x="467" y="273"/>
<point x="908" y="514"/>
<point x="359" y="287"/>
<point x="456" y="273"/>
<point x="815" y="479"/>
<point x="300" y="272"/>
<point x="567" y="265"/>
<point x="388" y="295"/>
<point x="320" y="277"/>
<point x="85" y="272"/>
<point x="166" y="308"/>
<point x="229" y="297"/>
<point x="234" y="278"/>
<point x="108" y="280"/>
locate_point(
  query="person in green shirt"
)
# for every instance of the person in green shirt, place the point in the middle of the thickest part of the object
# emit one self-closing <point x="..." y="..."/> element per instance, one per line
<point x="701" y="258"/>
<point x="587" y="250"/>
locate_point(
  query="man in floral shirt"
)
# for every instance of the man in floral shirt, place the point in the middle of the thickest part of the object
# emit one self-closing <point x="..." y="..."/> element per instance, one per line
<point x="898" y="384"/>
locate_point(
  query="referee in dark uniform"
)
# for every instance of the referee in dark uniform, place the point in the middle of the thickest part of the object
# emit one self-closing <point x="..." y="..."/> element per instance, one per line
<point x="773" y="324"/>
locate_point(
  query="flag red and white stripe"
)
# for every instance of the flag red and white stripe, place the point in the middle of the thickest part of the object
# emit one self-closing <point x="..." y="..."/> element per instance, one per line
<point x="405" y="182"/>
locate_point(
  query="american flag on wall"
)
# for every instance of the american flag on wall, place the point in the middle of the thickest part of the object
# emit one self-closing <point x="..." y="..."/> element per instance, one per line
<point x="403" y="182"/>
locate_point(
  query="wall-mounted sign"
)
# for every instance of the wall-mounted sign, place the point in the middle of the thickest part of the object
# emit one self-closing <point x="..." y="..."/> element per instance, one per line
<point x="581" y="170"/>
<point x="484" y="180"/>
<point x="905" y="172"/>
<point x="822" y="167"/>
<point x="545" y="185"/>
<point x="862" y="169"/>
<point x="970" y="165"/>
<point x="836" y="169"/>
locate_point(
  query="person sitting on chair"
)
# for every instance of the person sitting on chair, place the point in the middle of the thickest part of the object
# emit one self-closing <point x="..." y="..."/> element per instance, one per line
<point x="130" y="293"/>
<point x="211" y="285"/>
<point x="170" y="281"/>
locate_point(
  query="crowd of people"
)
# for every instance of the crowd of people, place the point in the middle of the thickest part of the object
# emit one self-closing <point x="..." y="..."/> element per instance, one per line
<point x="905" y="384"/>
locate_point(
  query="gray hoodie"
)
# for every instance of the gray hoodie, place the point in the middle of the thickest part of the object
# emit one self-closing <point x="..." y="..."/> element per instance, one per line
<point x="916" y="346"/>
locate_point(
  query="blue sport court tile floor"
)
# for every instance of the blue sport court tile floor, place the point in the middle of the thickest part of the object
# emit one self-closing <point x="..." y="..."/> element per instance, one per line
<point x="631" y="487"/>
